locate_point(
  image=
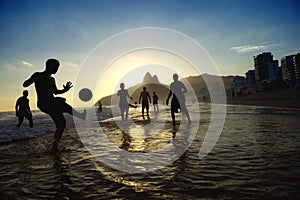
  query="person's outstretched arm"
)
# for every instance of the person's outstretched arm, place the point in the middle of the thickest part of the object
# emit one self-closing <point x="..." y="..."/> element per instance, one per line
<point x="67" y="87"/>
<point x="29" y="81"/>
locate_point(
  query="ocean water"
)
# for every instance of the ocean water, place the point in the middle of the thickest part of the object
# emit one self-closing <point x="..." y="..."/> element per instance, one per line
<point x="256" y="157"/>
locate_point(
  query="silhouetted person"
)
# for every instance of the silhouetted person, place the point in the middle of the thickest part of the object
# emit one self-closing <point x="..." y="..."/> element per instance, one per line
<point x="23" y="109"/>
<point x="145" y="103"/>
<point x="178" y="89"/>
<point x="123" y="103"/>
<point x="100" y="106"/>
<point x="155" y="102"/>
<point x="54" y="106"/>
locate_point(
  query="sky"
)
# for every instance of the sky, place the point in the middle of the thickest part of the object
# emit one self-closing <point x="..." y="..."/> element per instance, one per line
<point x="231" y="32"/>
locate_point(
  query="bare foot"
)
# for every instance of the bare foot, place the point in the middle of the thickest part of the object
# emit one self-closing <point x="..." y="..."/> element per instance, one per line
<point x="83" y="115"/>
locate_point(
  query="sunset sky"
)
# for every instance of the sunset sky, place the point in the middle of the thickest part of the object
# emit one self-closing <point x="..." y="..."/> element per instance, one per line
<point x="232" y="32"/>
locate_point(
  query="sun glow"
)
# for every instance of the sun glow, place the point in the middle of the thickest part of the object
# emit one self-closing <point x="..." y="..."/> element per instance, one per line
<point x="132" y="67"/>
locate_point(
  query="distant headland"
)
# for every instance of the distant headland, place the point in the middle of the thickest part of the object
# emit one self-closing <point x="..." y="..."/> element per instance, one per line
<point x="287" y="97"/>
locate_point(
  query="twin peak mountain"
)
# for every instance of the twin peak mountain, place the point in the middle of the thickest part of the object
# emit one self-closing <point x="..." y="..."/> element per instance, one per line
<point x="150" y="79"/>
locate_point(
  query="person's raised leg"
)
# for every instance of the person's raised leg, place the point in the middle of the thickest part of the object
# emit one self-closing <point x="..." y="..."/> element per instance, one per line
<point x="68" y="109"/>
<point x="80" y="115"/>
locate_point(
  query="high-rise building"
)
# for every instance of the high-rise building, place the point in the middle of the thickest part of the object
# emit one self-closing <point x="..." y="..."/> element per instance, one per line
<point x="296" y="65"/>
<point x="287" y="68"/>
<point x="261" y="66"/>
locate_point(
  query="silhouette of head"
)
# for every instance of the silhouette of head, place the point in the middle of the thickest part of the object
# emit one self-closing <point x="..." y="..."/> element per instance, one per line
<point x="122" y="85"/>
<point x="25" y="93"/>
<point x="175" y="77"/>
<point x="52" y="65"/>
<point x="153" y="92"/>
<point x="144" y="88"/>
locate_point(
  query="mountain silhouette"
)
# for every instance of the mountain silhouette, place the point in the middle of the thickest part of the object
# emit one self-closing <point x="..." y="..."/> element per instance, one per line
<point x="150" y="79"/>
<point x="198" y="84"/>
<point x="153" y="85"/>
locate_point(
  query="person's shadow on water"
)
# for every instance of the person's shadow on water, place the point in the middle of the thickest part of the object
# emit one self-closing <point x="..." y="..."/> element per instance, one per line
<point x="126" y="141"/>
<point x="63" y="178"/>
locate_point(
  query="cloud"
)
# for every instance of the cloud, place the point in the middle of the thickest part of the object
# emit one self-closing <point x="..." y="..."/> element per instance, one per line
<point x="26" y="63"/>
<point x="71" y="64"/>
<point x="248" y="48"/>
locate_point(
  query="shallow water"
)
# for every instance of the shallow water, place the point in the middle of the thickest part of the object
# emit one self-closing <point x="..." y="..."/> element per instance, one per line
<point x="256" y="157"/>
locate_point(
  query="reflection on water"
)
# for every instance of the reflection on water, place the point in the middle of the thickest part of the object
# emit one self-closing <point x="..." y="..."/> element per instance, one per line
<point x="126" y="141"/>
<point x="256" y="157"/>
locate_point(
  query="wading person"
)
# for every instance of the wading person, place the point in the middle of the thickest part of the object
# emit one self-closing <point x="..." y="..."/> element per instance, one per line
<point x="45" y="87"/>
<point x="144" y="96"/>
<point x="23" y="109"/>
<point x="123" y="103"/>
<point x="177" y="89"/>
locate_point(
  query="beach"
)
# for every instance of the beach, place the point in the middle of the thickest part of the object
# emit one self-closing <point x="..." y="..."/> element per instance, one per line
<point x="256" y="157"/>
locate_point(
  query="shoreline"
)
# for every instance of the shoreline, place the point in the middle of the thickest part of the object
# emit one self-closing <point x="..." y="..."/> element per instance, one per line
<point x="282" y="98"/>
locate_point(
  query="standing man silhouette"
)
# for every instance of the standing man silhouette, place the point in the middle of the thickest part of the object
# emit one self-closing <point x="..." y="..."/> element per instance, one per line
<point x="123" y="103"/>
<point x="145" y="103"/>
<point x="45" y="87"/>
<point x="178" y="89"/>
<point x="23" y="109"/>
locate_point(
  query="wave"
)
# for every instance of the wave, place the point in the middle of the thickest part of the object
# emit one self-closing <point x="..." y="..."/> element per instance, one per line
<point x="43" y="124"/>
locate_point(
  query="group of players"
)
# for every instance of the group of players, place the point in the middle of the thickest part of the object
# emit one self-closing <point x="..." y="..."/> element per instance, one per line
<point x="45" y="87"/>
